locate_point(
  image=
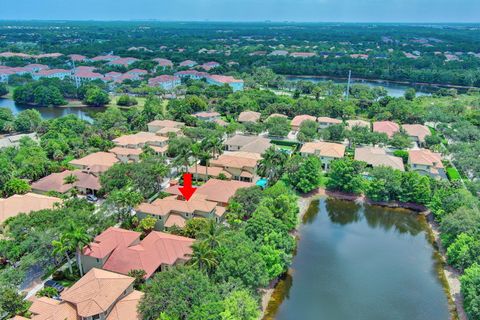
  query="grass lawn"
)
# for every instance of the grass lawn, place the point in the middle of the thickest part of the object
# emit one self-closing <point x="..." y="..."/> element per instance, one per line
<point x="453" y="174"/>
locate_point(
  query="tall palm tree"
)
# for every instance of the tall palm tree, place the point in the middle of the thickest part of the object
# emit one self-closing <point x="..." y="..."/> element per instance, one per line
<point x="205" y="157"/>
<point x="63" y="247"/>
<point x="203" y="256"/>
<point x="215" y="145"/>
<point x="78" y="238"/>
<point x="211" y="234"/>
<point x="271" y="165"/>
<point x="196" y="152"/>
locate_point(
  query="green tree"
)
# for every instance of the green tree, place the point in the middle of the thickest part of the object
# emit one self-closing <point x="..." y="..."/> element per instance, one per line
<point x="308" y="131"/>
<point x="123" y="201"/>
<point x="126" y="101"/>
<point x="139" y="276"/>
<point x="95" y="96"/>
<point x="410" y="94"/>
<point x="12" y="303"/>
<point x="464" y="251"/>
<point x="27" y="121"/>
<point x="62" y="247"/>
<point x="240" y="305"/>
<point x="147" y="224"/>
<point x="470" y="287"/>
<point x="345" y="175"/>
<point x="272" y="164"/>
<point x="177" y="292"/>
<point x="3" y="89"/>
<point x="304" y="174"/>
<point x="16" y="186"/>
<point x="278" y="126"/>
<point x="47" y="292"/>
<point x="78" y="238"/>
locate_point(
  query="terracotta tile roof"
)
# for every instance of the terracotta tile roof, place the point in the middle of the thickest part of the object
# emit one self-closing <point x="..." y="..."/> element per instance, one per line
<point x="207" y="114"/>
<point x="125" y="151"/>
<point x="126" y="308"/>
<point x="49" y="72"/>
<point x="249" y="116"/>
<point x="162" y="79"/>
<point x="163" y="62"/>
<point x="175" y="220"/>
<point x="425" y="157"/>
<point x="123" y="61"/>
<point x="158" y="248"/>
<point x="96" y="162"/>
<point x="387" y="127"/>
<point x="109" y="240"/>
<point x="216" y="190"/>
<point x="50" y="309"/>
<point x="160" y="149"/>
<point x="417" y="130"/>
<point x="357" y="123"/>
<point x="212" y="171"/>
<point x="378" y="157"/>
<point x="56" y="181"/>
<point x="328" y="120"/>
<point x="273" y="115"/>
<point x="163" y="207"/>
<point x="96" y="291"/>
<point x="139" y="138"/>
<point x="325" y="149"/>
<point x="303" y="54"/>
<point x="234" y="160"/>
<point x="77" y="57"/>
<point x="12" y="206"/>
<point x="223" y="79"/>
<point x="166" y="123"/>
<point x="297" y="121"/>
<point x="187" y="63"/>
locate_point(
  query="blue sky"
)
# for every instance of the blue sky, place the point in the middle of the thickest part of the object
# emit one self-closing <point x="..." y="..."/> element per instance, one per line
<point x="246" y="10"/>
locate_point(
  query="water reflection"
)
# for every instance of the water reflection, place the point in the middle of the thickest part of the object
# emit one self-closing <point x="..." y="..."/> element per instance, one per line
<point x="363" y="263"/>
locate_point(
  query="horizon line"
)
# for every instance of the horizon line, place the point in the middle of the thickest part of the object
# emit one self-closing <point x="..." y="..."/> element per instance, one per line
<point x="238" y="21"/>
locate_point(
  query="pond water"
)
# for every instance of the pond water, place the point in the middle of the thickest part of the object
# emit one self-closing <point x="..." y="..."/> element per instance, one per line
<point x="393" y="89"/>
<point x="357" y="262"/>
<point x="51" y="112"/>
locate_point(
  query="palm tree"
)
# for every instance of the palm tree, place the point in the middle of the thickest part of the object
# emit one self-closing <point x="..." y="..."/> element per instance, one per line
<point x="203" y="256"/>
<point x="62" y="247"/>
<point x="215" y="144"/>
<point x="183" y="158"/>
<point x="78" y="238"/>
<point x="272" y="163"/>
<point x="205" y="157"/>
<point x="211" y="234"/>
<point x="196" y="152"/>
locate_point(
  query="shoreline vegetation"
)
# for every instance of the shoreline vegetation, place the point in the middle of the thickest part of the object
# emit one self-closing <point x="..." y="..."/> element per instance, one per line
<point x="380" y="81"/>
<point x="273" y="296"/>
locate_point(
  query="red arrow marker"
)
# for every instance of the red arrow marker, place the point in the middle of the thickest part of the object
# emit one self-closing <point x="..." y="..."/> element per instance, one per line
<point x="187" y="190"/>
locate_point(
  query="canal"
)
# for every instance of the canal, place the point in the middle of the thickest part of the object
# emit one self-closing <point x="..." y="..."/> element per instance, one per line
<point x="364" y="263"/>
<point x="51" y="112"/>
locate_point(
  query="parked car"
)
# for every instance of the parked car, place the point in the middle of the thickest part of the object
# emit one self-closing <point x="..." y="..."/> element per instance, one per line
<point x="92" y="198"/>
<point x="55" y="285"/>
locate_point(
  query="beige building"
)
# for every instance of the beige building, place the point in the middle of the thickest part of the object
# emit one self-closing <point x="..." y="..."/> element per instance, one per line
<point x="158" y="125"/>
<point x="249" y="116"/>
<point x="376" y="157"/>
<point x="98" y="295"/>
<point x="126" y="155"/>
<point x="357" y="123"/>
<point x="171" y="211"/>
<point x="96" y="163"/>
<point x="253" y="144"/>
<point x="427" y="162"/>
<point x="325" y="122"/>
<point x="25" y="203"/>
<point x="86" y="182"/>
<point x="417" y="132"/>
<point x="140" y="140"/>
<point x="203" y="173"/>
<point x="241" y="165"/>
<point x="298" y="120"/>
<point x="326" y="151"/>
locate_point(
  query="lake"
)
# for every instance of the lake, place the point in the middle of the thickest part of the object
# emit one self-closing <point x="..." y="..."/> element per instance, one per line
<point x="357" y="262"/>
<point x="393" y="89"/>
<point x="51" y="112"/>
